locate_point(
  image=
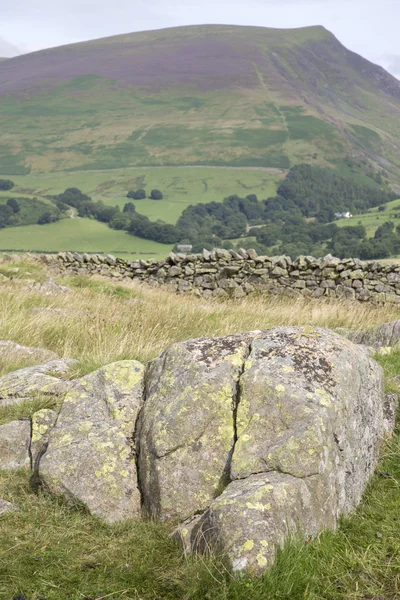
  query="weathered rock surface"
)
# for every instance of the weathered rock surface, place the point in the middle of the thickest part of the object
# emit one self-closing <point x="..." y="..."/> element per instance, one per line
<point x="187" y="424"/>
<point x="310" y="418"/>
<point x="43" y="422"/>
<point x="14" y="445"/>
<point x="6" y="507"/>
<point x="255" y="515"/>
<point x="91" y="451"/>
<point x="386" y="335"/>
<point x="14" y="351"/>
<point x="25" y="384"/>
<point x="49" y="287"/>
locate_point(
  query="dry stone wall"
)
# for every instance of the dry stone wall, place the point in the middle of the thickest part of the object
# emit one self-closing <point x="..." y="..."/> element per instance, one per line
<point x="227" y="273"/>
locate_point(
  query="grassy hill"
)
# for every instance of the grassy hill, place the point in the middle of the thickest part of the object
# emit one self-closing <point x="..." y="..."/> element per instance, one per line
<point x="203" y="95"/>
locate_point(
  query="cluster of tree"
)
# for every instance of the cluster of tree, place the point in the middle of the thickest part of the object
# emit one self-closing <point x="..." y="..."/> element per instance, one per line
<point x="320" y="193"/>
<point x="141" y="194"/>
<point x="298" y="220"/>
<point x="6" y="185"/>
<point x="27" y="211"/>
<point x="86" y="207"/>
<point x="128" y="220"/>
<point x="141" y="226"/>
<point x="352" y="241"/>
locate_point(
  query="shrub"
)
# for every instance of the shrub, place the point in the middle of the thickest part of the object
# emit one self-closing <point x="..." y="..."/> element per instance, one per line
<point x="137" y="195"/>
<point x="13" y="204"/>
<point x="156" y="195"/>
<point x="6" y="184"/>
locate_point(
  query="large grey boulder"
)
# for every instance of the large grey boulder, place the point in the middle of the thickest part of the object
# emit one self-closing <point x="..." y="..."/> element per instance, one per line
<point x="310" y="417"/>
<point x="91" y="453"/>
<point x="14" y="445"/>
<point x="45" y="380"/>
<point x="186" y="428"/>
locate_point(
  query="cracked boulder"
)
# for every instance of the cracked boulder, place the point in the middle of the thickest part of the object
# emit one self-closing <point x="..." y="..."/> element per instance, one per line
<point x="186" y="428"/>
<point x="43" y="380"/>
<point x="91" y="455"/>
<point x="43" y="422"/>
<point x="310" y="418"/>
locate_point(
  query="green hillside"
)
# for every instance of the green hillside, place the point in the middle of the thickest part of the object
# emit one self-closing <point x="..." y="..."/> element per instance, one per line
<point x="206" y="95"/>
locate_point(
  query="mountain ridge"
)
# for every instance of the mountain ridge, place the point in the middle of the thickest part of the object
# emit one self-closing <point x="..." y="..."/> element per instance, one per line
<point x="210" y="94"/>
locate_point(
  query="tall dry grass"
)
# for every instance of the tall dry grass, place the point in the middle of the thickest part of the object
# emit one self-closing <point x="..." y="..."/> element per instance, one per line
<point x="102" y="322"/>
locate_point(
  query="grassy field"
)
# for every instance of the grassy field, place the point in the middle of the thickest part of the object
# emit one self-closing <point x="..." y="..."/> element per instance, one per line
<point x="374" y="218"/>
<point x="79" y="235"/>
<point x="180" y="186"/>
<point x="56" y="552"/>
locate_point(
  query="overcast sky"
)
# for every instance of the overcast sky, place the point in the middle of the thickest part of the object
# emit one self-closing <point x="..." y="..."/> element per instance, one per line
<point x="369" y="27"/>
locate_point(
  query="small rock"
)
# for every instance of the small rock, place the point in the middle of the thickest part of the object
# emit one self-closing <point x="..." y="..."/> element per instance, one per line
<point x="14" y="352"/>
<point x="6" y="507"/>
<point x="15" y="438"/>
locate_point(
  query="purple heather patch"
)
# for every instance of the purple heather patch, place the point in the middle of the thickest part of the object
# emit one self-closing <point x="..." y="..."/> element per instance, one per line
<point x="209" y="64"/>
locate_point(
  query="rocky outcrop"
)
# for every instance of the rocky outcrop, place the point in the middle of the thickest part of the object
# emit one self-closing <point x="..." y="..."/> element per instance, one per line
<point x="309" y="421"/>
<point x="43" y="380"/>
<point x="227" y="273"/>
<point x="243" y="439"/>
<point x="91" y="451"/>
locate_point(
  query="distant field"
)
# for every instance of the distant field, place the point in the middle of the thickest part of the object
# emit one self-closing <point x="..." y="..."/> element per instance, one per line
<point x="373" y="219"/>
<point x="180" y="186"/>
<point x="79" y="235"/>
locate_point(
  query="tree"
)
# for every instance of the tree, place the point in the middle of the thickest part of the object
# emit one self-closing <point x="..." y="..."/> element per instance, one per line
<point x="6" y="184"/>
<point x="13" y="204"/>
<point x="45" y="218"/>
<point x="137" y="195"/>
<point x="129" y="208"/>
<point x="121" y="221"/>
<point x="156" y="195"/>
<point x="384" y="229"/>
<point x="5" y="213"/>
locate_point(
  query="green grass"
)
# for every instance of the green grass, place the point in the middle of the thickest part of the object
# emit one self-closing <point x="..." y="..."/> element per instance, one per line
<point x="59" y="552"/>
<point x="80" y="235"/>
<point x="50" y="550"/>
<point x="26" y="409"/>
<point x="180" y="186"/>
<point x="374" y="218"/>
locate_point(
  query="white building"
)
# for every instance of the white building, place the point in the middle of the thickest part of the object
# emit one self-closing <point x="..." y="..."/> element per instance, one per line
<point x="345" y="215"/>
